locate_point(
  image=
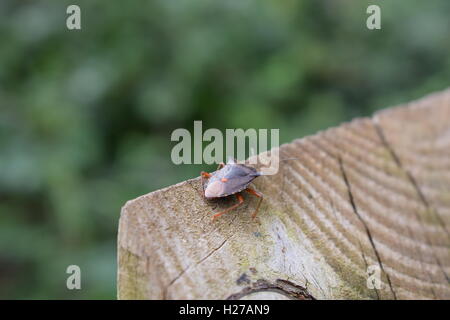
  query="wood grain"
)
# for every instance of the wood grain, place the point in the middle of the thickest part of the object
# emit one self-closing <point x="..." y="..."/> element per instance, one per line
<point x="372" y="193"/>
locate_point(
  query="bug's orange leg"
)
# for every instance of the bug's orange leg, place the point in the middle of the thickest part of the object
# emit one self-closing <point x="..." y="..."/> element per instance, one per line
<point x="241" y="201"/>
<point x="205" y="174"/>
<point x="257" y="194"/>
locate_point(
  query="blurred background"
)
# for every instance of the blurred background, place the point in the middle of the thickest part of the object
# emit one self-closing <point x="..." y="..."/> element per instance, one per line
<point x="86" y="116"/>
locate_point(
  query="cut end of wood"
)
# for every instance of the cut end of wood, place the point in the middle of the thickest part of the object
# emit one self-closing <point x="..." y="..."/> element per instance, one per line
<point x="364" y="214"/>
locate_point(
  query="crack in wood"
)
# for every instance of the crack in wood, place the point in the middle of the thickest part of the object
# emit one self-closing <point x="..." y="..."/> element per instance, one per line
<point x="367" y="267"/>
<point x="369" y="235"/>
<point x="355" y="210"/>
<point x="332" y="155"/>
<point x="194" y="266"/>
<point x="411" y="178"/>
<point x="418" y="190"/>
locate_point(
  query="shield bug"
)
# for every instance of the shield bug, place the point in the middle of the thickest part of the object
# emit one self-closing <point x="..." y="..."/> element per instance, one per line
<point x="231" y="178"/>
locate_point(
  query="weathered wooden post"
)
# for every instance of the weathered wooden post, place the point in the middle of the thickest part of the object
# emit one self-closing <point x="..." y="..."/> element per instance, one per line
<point x="368" y="198"/>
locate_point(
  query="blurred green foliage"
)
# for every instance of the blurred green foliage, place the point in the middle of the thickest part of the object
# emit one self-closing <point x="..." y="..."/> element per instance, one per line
<point x="86" y="116"/>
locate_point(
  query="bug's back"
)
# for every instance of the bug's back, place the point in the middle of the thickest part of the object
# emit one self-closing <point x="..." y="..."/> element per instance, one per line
<point x="231" y="179"/>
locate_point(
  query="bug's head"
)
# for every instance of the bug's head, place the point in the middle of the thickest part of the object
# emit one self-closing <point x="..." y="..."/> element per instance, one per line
<point x="215" y="189"/>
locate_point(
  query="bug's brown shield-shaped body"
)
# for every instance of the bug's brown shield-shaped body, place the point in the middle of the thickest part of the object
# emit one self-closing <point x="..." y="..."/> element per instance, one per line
<point x="231" y="179"/>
